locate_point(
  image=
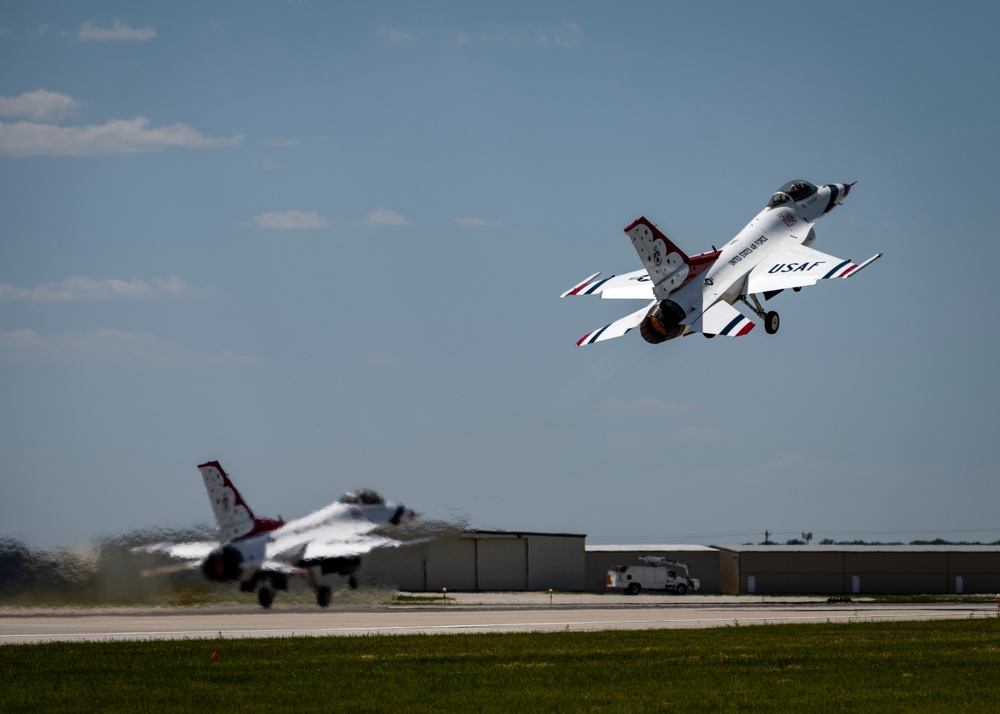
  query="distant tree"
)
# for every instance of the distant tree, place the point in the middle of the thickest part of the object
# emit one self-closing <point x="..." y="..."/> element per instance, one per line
<point x="14" y="568"/>
<point x="23" y="568"/>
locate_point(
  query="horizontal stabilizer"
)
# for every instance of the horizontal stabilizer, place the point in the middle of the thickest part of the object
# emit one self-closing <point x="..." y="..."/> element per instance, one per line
<point x="586" y="287"/>
<point x="617" y="328"/>
<point x="630" y="286"/>
<point x="722" y="319"/>
<point x="184" y="551"/>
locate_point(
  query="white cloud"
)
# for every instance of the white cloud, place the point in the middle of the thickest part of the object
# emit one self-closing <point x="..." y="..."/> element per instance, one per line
<point x="292" y="221"/>
<point x="118" y="31"/>
<point x="474" y="222"/>
<point x="568" y="35"/>
<point x="115" y="346"/>
<point x="119" y="136"/>
<point x="19" y="340"/>
<point x="383" y="217"/>
<point x="270" y="165"/>
<point x="40" y="105"/>
<point x="78" y="288"/>
<point x="393" y="36"/>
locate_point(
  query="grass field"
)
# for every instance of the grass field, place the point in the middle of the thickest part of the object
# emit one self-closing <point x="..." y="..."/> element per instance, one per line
<point x="875" y="667"/>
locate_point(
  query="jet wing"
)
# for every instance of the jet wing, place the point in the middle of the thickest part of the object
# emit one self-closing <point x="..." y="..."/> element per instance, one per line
<point x="617" y="328"/>
<point x="322" y="549"/>
<point x="797" y="267"/>
<point x="333" y="532"/>
<point x="630" y="286"/>
<point x="721" y="319"/>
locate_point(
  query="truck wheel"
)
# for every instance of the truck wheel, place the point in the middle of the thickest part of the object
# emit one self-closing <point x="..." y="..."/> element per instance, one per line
<point x="633" y="589"/>
<point x="680" y="590"/>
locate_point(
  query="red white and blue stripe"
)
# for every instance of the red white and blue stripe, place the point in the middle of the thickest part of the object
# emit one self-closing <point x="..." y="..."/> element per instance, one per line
<point x="738" y="327"/>
<point x="588" y="286"/>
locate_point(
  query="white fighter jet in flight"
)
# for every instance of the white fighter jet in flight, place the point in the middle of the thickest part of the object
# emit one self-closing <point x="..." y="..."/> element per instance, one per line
<point x="261" y="553"/>
<point x="698" y="293"/>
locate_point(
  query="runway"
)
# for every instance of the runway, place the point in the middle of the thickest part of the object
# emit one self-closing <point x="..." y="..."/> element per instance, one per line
<point x="463" y="613"/>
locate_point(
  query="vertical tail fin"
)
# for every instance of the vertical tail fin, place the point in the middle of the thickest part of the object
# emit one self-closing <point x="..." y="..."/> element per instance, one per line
<point x="232" y="514"/>
<point x="667" y="265"/>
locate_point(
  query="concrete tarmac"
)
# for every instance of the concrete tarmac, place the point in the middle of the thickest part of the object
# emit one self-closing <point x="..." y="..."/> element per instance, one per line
<point x="461" y="613"/>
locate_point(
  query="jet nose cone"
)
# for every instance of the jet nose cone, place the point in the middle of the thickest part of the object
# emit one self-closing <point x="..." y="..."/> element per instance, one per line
<point x="837" y="193"/>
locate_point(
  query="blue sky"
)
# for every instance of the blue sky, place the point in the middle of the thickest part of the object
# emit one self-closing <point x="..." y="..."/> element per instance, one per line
<point x="324" y="243"/>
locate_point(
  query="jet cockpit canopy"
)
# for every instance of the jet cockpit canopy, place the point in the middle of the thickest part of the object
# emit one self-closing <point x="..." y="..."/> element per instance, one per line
<point x="792" y="191"/>
<point x="364" y="496"/>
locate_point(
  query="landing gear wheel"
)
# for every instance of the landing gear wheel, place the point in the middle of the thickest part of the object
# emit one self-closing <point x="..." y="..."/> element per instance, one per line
<point x="323" y="596"/>
<point x="633" y="589"/>
<point x="265" y="596"/>
<point x="352" y="582"/>
<point x="771" y="322"/>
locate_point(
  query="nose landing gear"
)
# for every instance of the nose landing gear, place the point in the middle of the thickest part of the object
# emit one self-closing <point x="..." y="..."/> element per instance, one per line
<point x="324" y="593"/>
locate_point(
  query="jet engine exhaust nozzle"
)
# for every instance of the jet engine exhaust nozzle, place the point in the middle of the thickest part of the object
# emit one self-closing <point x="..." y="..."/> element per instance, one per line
<point x="663" y="323"/>
<point x="223" y="566"/>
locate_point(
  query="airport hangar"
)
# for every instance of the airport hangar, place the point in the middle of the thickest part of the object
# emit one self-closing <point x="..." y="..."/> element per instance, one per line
<point x="484" y="561"/>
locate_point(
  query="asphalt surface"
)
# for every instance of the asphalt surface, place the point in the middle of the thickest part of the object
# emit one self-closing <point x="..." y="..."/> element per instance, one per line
<point x="461" y="613"/>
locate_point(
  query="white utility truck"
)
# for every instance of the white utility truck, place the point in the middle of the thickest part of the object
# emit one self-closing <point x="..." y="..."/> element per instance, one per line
<point x="658" y="573"/>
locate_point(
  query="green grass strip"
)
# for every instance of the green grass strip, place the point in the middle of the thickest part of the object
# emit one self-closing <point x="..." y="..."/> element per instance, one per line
<point x="949" y="666"/>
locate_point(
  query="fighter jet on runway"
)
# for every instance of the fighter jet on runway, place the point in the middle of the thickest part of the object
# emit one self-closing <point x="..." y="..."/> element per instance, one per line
<point x="261" y="553"/>
<point x="697" y="293"/>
